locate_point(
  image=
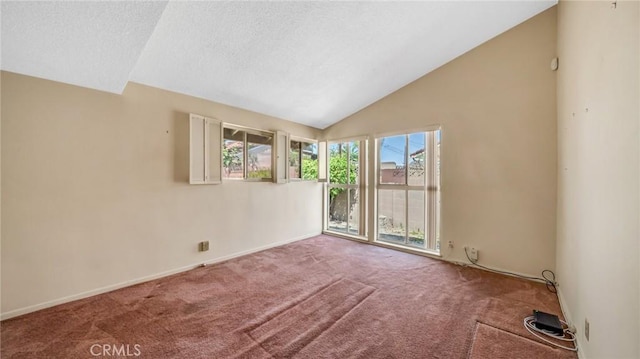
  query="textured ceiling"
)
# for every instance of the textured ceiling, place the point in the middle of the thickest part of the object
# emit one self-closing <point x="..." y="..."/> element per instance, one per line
<point x="310" y="62"/>
<point x="91" y="44"/>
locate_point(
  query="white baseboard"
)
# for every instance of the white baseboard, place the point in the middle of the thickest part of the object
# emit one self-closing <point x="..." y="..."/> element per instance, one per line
<point x="491" y="268"/>
<point x="425" y="254"/>
<point x="109" y="288"/>
<point x="569" y="319"/>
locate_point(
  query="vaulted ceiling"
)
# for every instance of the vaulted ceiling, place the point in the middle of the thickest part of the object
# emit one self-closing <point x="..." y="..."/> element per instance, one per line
<point x="311" y="62"/>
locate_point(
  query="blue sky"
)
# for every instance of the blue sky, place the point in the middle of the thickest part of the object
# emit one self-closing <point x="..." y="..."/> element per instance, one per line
<point x="393" y="147"/>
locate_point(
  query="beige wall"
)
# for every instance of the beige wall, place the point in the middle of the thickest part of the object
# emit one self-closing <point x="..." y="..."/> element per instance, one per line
<point x="0" y="188"/>
<point x="598" y="174"/>
<point x="95" y="191"/>
<point x="497" y="108"/>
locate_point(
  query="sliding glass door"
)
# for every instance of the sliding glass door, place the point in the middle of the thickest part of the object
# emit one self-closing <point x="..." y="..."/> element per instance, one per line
<point x="408" y="190"/>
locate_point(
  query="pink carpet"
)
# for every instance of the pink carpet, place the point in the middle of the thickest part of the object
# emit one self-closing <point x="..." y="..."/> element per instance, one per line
<point x="322" y="297"/>
<point x="495" y="343"/>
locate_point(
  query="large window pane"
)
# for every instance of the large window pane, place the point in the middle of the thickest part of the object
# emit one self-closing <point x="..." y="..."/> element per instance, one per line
<point x="309" y="161"/>
<point x="259" y="156"/>
<point x="416" y="159"/>
<point x="354" y="211"/>
<point x="294" y="160"/>
<point x="392" y="160"/>
<point x="345" y="209"/>
<point x="338" y="163"/>
<point x="233" y="153"/>
<point x="437" y="222"/>
<point x="416" y="228"/>
<point x="408" y="190"/>
<point x="391" y="216"/>
<point x="354" y="160"/>
<point x="338" y="213"/>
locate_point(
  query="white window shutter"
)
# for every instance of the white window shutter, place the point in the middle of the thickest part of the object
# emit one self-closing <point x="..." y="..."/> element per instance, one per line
<point x="205" y="150"/>
<point x="213" y="151"/>
<point x="322" y="161"/>
<point x="196" y="149"/>
<point x="282" y="157"/>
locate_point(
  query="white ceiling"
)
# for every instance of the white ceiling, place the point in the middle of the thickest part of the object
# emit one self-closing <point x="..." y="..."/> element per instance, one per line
<point x="90" y="44"/>
<point x="312" y="62"/>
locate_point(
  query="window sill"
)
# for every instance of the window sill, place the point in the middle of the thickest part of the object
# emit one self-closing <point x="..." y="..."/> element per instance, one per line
<point x="346" y="236"/>
<point x="293" y="180"/>
<point x="258" y="180"/>
<point x="426" y="252"/>
<point x="417" y="251"/>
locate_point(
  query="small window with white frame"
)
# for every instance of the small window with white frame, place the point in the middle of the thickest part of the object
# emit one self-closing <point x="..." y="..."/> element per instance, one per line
<point x="303" y="160"/>
<point x="247" y="153"/>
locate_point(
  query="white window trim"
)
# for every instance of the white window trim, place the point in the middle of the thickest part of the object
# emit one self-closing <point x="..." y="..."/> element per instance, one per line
<point x="281" y="166"/>
<point x="427" y="128"/>
<point x="433" y="223"/>
<point x="245" y="152"/>
<point x="361" y="186"/>
<point x="323" y="161"/>
<point x="301" y="140"/>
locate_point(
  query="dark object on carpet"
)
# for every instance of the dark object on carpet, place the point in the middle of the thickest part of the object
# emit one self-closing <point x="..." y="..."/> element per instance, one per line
<point x="322" y="297"/>
<point x="547" y="322"/>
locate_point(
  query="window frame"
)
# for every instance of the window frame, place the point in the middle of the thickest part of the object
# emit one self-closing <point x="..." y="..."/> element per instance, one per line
<point x="302" y="140"/>
<point x="361" y="186"/>
<point x="433" y="239"/>
<point x="245" y="152"/>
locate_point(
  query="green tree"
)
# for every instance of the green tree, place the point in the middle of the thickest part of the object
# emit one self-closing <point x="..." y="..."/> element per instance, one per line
<point x="339" y="157"/>
<point x="337" y="167"/>
<point x="231" y="158"/>
<point x="309" y="169"/>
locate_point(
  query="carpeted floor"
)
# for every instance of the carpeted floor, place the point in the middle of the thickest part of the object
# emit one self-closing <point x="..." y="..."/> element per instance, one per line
<point x="322" y="297"/>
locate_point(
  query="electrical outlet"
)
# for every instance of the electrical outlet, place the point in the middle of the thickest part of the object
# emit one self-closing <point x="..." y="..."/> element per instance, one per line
<point x="203" y="246"/>
<point x="450" y="244"/>
<point x="586" y="328"/>
<point x="472" y="253"/>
